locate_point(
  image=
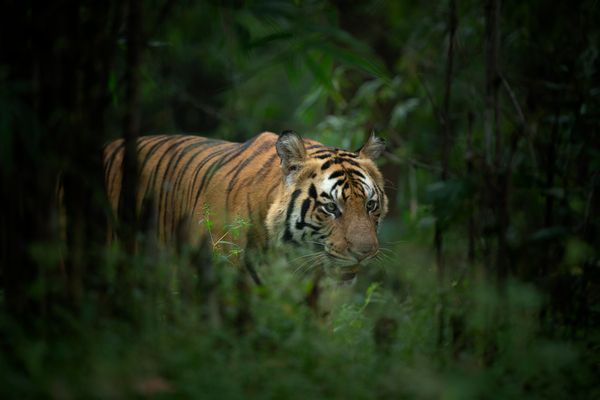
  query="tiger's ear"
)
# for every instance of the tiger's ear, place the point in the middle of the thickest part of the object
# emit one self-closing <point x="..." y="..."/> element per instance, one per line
<point x="291" y="151"/>
<point x="373" y="148"/>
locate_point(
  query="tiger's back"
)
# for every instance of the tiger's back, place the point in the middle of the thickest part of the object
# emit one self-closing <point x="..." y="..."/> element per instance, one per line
<point x="182" y="174"/>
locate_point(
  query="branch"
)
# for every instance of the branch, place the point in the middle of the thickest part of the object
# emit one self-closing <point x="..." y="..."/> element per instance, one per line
<point x="522" y="129"/>
<point x="436" y="111"/>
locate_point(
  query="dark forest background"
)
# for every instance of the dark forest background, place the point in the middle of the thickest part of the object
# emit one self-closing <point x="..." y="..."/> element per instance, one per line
<point x="488" y="285"/>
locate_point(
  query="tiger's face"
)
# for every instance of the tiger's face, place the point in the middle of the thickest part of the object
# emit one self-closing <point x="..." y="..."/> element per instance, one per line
<point x="333" y="201"/>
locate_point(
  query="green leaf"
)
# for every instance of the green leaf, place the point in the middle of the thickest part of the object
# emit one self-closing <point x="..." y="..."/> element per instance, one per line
<point x="366" y="63"/>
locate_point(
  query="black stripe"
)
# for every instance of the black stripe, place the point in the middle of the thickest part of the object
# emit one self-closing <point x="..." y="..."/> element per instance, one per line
<point x="287" y="235"/>
<point x="362" y="190"/>
<point x="323" y="151"/>
<point x="113" y="178"/>
<point x="351" y="162"/>
<point x="303" y="210"/>
<point x="155" y="146"/>
<point x="236" y="171"/>
<point x="144" y="141"/>
<point x="338" y="160"/>
<point x="351" y="155"/>
<point x="275" y="186"/>
<point x="211" y="169"/>
<point x="356" y="172"/>
<point x="216" y="166"/>
<point x="344" y="190"/>
<point x="226" y="159"/>
<point x="336" y="174"/>
<point x="109" y="164"/>
<point x="198" y="167"/>
<point x="110" y="158"/>
<point x="312" y="191"/>
<point x="174" y="183"/>
<point x="172" y="164"/>
<point x="301" y="224"/>
<point x="242" y="148"/>
<point x="167" y="154"/>
<point x="265" y="168"/>
<point x="248" y="206"/>
<point x="337" y="183"/>
<point x="206" y="178"/>
<point x="182" y="170"/>
<point x="109" y="167"/>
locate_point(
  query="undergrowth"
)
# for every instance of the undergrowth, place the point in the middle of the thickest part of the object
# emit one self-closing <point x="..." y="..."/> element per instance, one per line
<point x="199" y="328"/>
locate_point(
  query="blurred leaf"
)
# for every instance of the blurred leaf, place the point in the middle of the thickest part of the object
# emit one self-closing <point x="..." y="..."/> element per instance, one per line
<point x="578" y="252"/>
<point x="551" y="233"/>
<point x="367" y="92"/>
<point x="321" y="71"/>
<point x="447" y="198"/>
<point x="269" y="39"/>
<point x="401" y="111"/>
<point x="365" y="63"/>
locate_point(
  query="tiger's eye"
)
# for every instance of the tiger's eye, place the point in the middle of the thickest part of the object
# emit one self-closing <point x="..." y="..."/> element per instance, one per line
<point x="371" y="205"/>
<point x="331" y="207"/>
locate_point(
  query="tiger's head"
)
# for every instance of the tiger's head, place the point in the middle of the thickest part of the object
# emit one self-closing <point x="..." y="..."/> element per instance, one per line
<point x="332" y="200"/>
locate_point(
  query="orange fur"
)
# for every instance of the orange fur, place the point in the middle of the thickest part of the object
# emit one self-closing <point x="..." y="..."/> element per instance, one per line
<point x="269" y="180"/>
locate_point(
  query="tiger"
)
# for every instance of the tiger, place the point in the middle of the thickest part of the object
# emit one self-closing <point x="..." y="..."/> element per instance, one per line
<point x="291" y="189"/>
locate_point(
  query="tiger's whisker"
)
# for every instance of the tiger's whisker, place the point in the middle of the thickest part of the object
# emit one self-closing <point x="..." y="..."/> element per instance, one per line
<point x="306" y="263"/>
<point x="302" y="266"/>
<point x="305" y="256"/>
<point x="388" y="250"/>
<point x="317" y="262"/>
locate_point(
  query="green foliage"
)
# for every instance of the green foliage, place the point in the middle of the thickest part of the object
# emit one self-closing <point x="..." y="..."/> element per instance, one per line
<point x="172" y="348"/>
<point x="225" y="245"/>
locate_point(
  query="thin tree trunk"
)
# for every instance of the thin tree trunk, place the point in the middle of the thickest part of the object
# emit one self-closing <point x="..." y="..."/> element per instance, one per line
<point x="446" y="132"/>
<point x="493" y="142"/>
<point x="492" y="81"/>
<point x="131" y="125"/>
<point x="497" y="172"/>
<point x="85" y="71"/>
<point x="471" y="223"/>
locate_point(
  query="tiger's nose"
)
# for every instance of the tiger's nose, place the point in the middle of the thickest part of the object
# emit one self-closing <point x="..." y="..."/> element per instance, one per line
<point x="360" y="251"/>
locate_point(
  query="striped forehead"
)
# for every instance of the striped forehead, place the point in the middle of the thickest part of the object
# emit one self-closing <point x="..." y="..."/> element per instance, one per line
<point x="340" y="172"/>
<point x="337" y="182"/>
